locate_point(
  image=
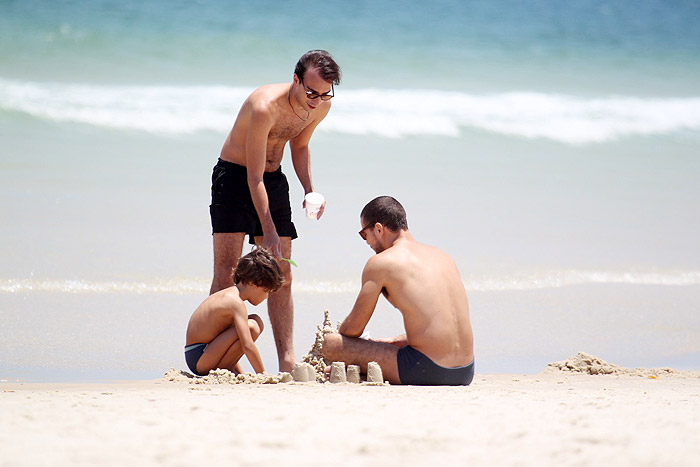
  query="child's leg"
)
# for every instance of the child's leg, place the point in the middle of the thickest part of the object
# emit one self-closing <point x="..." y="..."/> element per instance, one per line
<point x="225" y="350"/>
<point x="235" y="352"/>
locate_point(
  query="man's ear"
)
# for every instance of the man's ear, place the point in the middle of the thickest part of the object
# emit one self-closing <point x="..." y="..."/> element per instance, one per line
<point x="379" y="227"/>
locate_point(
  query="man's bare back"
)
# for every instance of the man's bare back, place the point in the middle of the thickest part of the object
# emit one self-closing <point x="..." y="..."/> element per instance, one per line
<point x="424" y="284"/>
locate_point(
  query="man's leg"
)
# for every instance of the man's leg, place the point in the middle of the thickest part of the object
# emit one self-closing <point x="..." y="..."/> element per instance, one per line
<point x="356" y="351"/>
<point x="280" y="307"/>
<point x="227" y="252"/>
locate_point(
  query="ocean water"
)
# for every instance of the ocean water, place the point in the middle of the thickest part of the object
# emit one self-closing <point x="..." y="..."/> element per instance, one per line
<point x="553" y="149"/>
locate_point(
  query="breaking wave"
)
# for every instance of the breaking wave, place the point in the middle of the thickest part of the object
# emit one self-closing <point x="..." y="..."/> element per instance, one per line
<point x="393" y="113"/>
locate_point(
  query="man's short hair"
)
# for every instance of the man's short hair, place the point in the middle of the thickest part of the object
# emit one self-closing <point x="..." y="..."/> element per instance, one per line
<point x="323" y="62"/>
<point x="260" y="268"/>
<point x="387" y="211"/>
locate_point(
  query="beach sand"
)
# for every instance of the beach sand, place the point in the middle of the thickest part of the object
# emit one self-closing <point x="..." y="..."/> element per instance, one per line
<point x="561" y="416"/>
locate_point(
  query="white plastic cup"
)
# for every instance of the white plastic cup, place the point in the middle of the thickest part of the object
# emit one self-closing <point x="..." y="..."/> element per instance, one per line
<point x="314" y="201"/>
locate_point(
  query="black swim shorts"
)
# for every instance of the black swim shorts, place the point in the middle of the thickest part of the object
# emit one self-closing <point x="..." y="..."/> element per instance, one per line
<point x="193" y="353"/>
<point x="232" y="209"/>
<point x="417" y="369"/>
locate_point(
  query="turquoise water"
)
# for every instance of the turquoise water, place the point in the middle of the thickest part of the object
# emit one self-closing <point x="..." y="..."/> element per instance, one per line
<point x="647" y="46"/>
<point x="551" y="148"/>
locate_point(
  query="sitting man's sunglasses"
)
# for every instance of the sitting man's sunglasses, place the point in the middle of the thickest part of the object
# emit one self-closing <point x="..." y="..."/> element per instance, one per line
<point x="363" y="234"/>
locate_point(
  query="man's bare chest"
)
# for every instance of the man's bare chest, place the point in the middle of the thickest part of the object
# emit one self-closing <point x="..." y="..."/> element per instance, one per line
<point x="285" y="129"/>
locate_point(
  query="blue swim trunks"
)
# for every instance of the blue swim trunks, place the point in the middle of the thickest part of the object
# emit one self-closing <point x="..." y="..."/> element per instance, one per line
<point x="193" y="353"/>
<point x="416" y="368"/>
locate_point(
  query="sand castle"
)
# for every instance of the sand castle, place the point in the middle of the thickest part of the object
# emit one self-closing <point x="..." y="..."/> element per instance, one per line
<point x="314" y="357"/>
<point x="374" y="373"/>
<point x="304" y="372"/>
<point x="338" y="372"/>
<point x="353" y="374"/>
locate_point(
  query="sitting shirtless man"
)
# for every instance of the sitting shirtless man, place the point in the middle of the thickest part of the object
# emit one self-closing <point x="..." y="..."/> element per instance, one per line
<point x="424" y="284"/>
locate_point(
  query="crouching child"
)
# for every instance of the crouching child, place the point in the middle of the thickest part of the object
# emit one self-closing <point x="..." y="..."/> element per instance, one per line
<point x="220" y="330"/>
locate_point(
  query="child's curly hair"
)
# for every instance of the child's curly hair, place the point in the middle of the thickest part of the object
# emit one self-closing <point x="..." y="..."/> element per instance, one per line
<point x="260" y="268"/>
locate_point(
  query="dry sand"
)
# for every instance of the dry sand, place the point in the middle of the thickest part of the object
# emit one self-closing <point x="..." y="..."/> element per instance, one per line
<point x="557" y="417"/>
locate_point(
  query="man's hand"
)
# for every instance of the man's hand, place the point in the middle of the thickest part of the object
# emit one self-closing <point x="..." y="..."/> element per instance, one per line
<point x="271" y="241"/>
<point x="320" y="211"/>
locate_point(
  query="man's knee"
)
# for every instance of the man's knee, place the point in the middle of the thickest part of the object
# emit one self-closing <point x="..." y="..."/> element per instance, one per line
<point x="331" y="343"/>
<point x="228" y="248"/>
<point x="223" y="270"/>
<point x="225" y="264"/>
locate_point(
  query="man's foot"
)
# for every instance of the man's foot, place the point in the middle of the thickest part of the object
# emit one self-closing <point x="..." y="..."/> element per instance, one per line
<point x="327" y="373"/>
<point x="287" y="365"/>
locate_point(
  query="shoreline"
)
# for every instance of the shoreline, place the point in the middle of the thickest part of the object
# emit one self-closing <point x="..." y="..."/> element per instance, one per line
<point x="60" y="337"/>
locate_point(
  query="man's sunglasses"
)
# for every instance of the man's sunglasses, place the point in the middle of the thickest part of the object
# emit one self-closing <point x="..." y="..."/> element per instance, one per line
<point x="314" y="95"/>
<point x="363" y="234"/>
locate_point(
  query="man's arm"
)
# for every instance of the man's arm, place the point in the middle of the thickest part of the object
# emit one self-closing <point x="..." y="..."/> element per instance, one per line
<point x="372" y="283"/>
<point x="398" y="341"/>
<point x="301" y="156"/>
<point x="261" y="122"/>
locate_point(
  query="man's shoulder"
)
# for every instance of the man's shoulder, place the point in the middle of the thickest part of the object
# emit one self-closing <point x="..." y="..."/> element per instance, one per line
<point x="383" y="261"/>
<point x="268" y="93"/>
<point x="265" y="100"/>
<point x="407" y="253"/>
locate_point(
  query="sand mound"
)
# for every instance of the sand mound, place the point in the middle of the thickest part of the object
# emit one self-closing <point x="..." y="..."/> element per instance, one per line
<point x="177" y="376"/>
<point x="220" y="376"/>
<point x="591" y="365"/>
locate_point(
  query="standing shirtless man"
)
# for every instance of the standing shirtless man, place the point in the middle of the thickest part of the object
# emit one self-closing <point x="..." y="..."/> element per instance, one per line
<point x="250" y="194"/>
<point x="424" y="284"/>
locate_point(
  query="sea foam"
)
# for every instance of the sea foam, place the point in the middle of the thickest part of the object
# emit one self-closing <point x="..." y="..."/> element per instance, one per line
<point x="479" y="283"/>
<point x="393" y="113"/>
